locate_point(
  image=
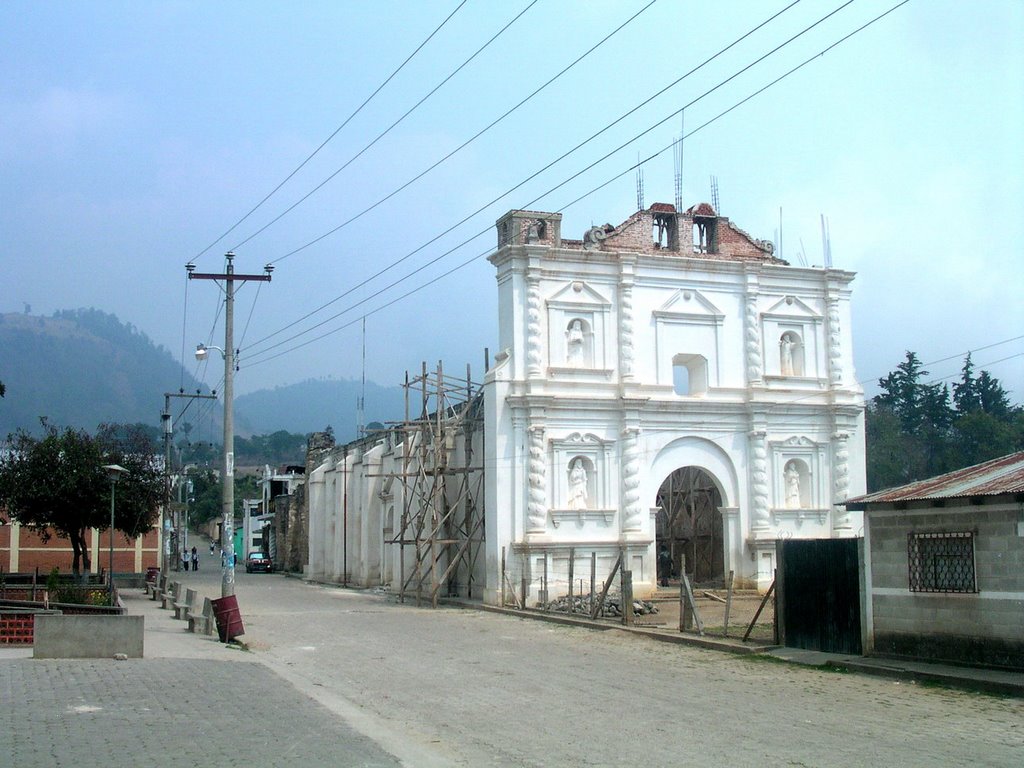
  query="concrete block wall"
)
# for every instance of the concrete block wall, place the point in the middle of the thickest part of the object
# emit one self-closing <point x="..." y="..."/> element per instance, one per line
<point x="985" y="627"/>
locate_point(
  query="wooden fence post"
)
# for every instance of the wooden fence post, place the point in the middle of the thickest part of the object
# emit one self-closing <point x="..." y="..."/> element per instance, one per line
<point x="523" y="579"/>
<point x="572" y="559"/>
<point x="547" y="597"/>
<point x="502" y="577"/>
<point x="728" y="606"/>
<point x="593" y="579"/>
<point x="627" y="598"/>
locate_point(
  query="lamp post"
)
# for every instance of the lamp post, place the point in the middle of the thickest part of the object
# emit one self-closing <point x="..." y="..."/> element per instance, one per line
<point x="230" y="277"/>
<point x="114" y="471"/>
<point x="227" y="538"/>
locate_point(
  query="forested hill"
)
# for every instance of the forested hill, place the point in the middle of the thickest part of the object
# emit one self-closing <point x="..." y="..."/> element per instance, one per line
<point x="315" y="404"/>
<point x="81" y="368"/>
<point x="84" y="367"/>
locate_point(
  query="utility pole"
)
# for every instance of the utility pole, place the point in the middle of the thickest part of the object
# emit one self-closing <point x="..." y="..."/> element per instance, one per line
<point x="227" y="587"/>
<point x="167" y="525"/>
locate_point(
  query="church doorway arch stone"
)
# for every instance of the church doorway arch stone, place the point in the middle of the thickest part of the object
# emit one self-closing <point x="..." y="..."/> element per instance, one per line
<point x="689" y="522"/>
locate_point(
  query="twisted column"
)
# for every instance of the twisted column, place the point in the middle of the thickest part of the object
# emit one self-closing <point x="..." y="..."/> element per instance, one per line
<point x="626" y="350"/>
<point x="835" y="347"/>
<point x="537" y="510"/>
<point x="631" y="509"/>
<point x="752" y="339"/>
<point x="759" y="480"/>
<point x="840" y="480"/>
<point x="534" y="352"/>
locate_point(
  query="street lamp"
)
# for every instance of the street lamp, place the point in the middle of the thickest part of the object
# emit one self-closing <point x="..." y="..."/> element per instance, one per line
<point x="202" y="350"/>
<point x="228" y="499"/>
<point x="227" y="541"/>
<point x="114" y="471"/>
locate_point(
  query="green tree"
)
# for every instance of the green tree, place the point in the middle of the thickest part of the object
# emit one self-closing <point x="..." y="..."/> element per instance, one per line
<point x="56" y="486"/>
<point x="993" y="399"/>
<point x="207" y="496"/>
<point x="916" y="430"/>
<point x="965" y="391"/>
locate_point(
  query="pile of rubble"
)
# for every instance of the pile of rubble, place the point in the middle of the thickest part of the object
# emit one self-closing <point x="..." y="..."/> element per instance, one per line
<point x="581" y="604"/>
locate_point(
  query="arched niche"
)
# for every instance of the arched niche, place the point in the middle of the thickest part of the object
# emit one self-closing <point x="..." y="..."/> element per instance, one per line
<point x="791" y="354"/>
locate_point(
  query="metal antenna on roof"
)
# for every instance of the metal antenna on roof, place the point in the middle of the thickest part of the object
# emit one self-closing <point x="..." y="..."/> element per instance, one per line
<point x="639" y="184"/>
<point x="361" y="410"/>
<point x="714" y="194"/>
<point x="826" y="243"/>
<point x="677" y="156"/>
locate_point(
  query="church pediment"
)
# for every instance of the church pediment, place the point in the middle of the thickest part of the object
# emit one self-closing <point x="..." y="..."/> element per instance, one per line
<point x="688" y="304"/>
<point x="579" y="293"/>
<point x="581" y="438"/>
<point x="792" y="308"/>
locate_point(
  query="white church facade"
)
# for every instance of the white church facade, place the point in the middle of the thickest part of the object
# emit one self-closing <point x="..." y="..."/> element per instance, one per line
<point x="665" y="383"/>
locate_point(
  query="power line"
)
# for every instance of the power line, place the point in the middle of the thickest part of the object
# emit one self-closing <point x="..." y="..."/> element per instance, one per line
<point x="252" y="309"/>
<point x="564" y="207"/>
<point x="385" y="132"/>
<point x="473" y="138"/>
<point x="335" y="133"/>
<point x="184" y="317"/>
<point x="509" y="191"/>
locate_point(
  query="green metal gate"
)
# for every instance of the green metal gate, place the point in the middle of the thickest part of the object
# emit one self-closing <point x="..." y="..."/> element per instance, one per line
<point x="818" y="588"/>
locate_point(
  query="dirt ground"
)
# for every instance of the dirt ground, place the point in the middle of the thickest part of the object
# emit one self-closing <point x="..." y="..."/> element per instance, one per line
<point x="711" y="605"/>
<point x="712" y="613"/>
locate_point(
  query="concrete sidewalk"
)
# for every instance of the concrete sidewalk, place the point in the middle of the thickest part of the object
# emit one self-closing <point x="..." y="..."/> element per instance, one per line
<point x="998" y="681"/>
<point x="190" y="701"/>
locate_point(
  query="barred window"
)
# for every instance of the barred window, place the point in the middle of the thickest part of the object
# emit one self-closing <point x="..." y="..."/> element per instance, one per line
<point x="941" y="562"/>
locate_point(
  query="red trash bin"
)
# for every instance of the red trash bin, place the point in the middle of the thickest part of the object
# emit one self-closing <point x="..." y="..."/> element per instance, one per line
<point x="228" y="617"/>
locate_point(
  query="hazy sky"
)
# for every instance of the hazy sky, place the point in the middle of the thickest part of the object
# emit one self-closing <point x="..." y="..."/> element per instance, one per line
<point x="134" y="134"/>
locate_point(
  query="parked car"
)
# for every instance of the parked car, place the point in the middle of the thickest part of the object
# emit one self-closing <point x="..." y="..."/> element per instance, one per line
<point x="257" y="561"/>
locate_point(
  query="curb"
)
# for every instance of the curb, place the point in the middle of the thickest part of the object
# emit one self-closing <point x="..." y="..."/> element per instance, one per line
<point x="947" y="679"/>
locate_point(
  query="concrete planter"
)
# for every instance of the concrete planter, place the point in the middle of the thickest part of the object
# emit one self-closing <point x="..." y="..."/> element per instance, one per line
<point x="88" y="637"/>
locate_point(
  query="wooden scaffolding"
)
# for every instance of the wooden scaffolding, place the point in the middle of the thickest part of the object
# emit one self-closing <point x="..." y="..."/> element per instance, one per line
<point x="441" y="530"/>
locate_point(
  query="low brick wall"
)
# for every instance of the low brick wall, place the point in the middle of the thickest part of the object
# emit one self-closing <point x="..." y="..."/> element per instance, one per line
<point x="88" y="637"/>
<point x="16" y="628"/>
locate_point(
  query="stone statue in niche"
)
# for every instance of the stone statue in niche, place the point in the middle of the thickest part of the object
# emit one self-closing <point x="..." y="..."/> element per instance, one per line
<point x="574" y="342"/>
<point x="792" y="477"/>
<point x="786" y="349"/>
<point x="577" y="484"/>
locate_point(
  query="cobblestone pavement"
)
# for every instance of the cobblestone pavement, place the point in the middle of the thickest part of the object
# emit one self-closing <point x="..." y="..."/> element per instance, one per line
<point x="472" y="688"/>
<point x="167" y="712"/>
<point x="353" y="677"/>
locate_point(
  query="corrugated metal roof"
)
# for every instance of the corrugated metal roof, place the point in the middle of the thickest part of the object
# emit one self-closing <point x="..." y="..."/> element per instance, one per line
<point x="991" y="478"/>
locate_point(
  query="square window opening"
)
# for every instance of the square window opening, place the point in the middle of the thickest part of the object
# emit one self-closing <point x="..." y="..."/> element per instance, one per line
<point x="942" y="562"/>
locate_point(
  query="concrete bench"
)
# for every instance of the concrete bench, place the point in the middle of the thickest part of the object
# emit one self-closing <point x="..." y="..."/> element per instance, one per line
<point x="168" y="597"/>
<point x="182" y="608"/>
<point x="157" y="588"/>
<point x="152" y="578"/>
<point x="202" y="622"/>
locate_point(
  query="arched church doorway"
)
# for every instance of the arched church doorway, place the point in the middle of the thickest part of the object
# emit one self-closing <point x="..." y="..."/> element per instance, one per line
<point x="690" y="523"/>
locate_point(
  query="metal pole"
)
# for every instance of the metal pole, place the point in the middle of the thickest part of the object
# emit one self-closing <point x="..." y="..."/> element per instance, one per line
<point x="227" y="587"/>
<point x="228" y="477"/>
<point x="165" y="524"/>
<point x="110" y="569"/>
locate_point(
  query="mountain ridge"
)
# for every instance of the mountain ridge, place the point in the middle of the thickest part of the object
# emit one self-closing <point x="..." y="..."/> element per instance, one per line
<point x="83" y="367"/>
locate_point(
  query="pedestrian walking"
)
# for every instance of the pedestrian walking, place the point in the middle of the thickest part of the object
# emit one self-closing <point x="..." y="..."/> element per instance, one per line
<point x="195" y="559"/>
<point x="664" y="565"/>
<point x="184" y="559"/>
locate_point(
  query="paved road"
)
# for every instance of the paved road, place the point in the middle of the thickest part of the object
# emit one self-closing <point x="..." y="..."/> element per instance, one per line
<point x="379" y="682"/>
<point x="473" y="688"/>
